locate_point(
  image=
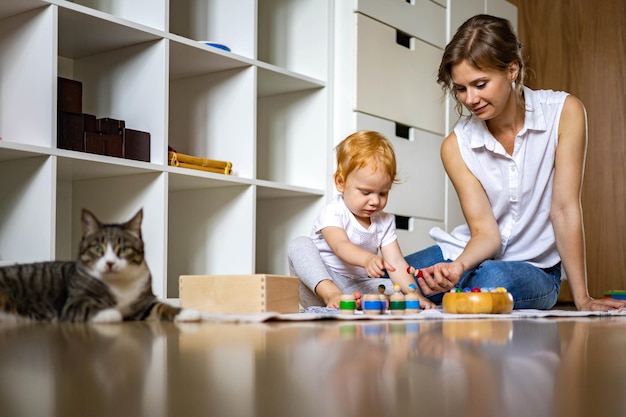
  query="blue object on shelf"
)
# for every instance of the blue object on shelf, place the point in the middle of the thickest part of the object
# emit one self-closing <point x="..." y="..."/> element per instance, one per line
<point x="217" y="45"/>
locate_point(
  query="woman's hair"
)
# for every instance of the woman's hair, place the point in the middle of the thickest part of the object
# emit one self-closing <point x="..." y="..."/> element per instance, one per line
<point x="365" y="149"/>
<point x="486" y="42"/>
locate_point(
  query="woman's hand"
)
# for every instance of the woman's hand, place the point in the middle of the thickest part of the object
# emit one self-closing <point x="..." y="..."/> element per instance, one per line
<point x="605" y="304"/>
<point x="440" y="277"/>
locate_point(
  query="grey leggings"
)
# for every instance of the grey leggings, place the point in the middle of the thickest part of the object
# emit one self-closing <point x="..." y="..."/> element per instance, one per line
<point x="306" y="263"/>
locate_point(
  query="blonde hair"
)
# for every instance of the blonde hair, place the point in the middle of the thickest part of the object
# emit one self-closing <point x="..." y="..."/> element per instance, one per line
<point x="486" y="42"/>
<point x="365" y="148"/>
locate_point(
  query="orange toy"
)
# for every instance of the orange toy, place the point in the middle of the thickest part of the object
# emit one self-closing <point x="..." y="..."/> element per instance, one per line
<point x="498" y="301"/>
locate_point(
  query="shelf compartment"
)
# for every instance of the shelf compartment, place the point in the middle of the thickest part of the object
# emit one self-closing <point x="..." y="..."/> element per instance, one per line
<point x="113" y="196"/>
<point x="212" y="116"/>
<point x="146" y="12"/>
<point x="210" y="231"/>
<point x="273" y="80"/>
<point x="10" y="151"/>
<point x="27" y="209"/>
<point x="293" y="34"/>
<point x="190" y="59"/>
<point x="87" y="33"/>
<point x="270" y="190"/>
<point x="184" y="179"/>
<point x="227" y="22"/>
<point x="292" y="138"/>
<point x="27" y="93"/>
<point x="274" y="232"/>
<point x="127" y="83"/>
<point x="10" y="8"/>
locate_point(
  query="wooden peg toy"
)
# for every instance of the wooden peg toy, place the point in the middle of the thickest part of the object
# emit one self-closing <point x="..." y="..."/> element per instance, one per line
<point x="412" y="302"/>
<point x="347" y="304"/>
<point x="372" y="304"/>
<point x="397" y="302"/>
<point x="415" y="272"/>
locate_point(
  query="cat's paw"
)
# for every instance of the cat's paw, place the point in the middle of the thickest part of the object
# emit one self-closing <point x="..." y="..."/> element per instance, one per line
<point x="188" y="315"/>
<point x="110" y="315"/>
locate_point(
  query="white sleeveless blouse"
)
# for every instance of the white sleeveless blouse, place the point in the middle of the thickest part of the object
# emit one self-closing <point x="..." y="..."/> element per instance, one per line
<point x="519" y="186"/>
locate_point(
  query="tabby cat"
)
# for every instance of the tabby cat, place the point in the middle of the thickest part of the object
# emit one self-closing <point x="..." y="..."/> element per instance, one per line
<point x="109" y="282"/>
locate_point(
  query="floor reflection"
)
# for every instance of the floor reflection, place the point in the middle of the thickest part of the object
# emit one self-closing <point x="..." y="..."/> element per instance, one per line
<point x="328" y="368"/>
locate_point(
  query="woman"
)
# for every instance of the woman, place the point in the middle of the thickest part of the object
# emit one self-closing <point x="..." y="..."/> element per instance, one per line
<point x="516" y="163"/>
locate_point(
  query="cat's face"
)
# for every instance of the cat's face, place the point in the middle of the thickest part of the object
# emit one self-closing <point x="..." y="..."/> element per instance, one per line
<point x="112" y="252"/>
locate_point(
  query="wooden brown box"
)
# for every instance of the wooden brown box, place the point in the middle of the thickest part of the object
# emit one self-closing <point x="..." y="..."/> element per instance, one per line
<point x="71" y="127"/>
<point x="136" y="145"/>
<point x="239" y="294"/>
<point x="110" y="145"/>
<point x="69" y="95"/>
<point x="110" y="126"/>
<point x="113" y="145"/>
<point x="94" y="143"/>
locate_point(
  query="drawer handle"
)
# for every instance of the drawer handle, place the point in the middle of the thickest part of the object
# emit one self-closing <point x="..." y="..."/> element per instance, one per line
<point x="403" y="39"/>
<point x="403" y="222"/>
<point x="403" y="131"/>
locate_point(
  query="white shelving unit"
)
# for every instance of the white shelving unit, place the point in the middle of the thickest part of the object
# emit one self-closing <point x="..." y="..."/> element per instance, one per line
<point x="300" y="76"/>
<point x="264" y="106"/>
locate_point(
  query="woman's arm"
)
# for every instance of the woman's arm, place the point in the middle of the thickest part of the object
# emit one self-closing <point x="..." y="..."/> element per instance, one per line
<point x="566" y="210"/>
<point x="484" y="240"/>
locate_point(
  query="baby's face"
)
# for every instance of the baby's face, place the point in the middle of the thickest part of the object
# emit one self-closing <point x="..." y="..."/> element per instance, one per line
<point x="365" y="192"/>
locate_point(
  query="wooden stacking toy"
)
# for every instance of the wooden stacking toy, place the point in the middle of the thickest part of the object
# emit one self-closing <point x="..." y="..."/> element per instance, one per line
<point x="397" y="302"/>
<point x="374" y="304"/>
<point x="347" y="304"/>
<point x="478" y="301"/>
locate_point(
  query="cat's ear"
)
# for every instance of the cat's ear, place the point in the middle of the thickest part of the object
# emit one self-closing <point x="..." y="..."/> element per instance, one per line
<point x="134" y="224"/>
<point x="89" y="222"/>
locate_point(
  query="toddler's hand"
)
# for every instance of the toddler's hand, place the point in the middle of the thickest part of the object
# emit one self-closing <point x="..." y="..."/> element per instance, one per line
<point x="333" y="302"/>
<point x="425" y="303"/>
<point x="376" y="267"/>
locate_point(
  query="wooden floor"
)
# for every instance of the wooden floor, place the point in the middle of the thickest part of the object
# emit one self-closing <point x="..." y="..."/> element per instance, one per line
<point x="503" y="368"/>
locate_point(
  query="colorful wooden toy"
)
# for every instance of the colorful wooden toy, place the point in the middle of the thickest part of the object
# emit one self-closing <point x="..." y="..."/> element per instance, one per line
<point x="347" y="304"/>
<point x="412" y="303"/>
<point x="415" y="272"/>
<point x="615" y="294"/>
<point x="397" y="302"/>
<point x="372" y="304"/>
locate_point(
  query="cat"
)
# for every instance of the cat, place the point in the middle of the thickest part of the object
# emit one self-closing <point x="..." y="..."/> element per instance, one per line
<point x="109" y="281"/>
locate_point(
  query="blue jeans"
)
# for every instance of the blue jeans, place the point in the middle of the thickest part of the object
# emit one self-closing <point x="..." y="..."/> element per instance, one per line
<point x="531" y="287"/>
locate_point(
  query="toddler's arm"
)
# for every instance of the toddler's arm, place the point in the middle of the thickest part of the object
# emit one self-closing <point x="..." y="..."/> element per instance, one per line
<point x="353" y="254"/>
<point x="399" y="273"/>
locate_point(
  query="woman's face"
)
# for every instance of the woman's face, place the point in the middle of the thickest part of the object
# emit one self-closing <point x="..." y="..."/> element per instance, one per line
<point x="486" y="93"/>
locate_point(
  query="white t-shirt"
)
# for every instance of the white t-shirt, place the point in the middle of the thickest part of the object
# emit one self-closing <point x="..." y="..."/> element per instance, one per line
<point x="519" y="186"/>
<point x="381" y="233"/>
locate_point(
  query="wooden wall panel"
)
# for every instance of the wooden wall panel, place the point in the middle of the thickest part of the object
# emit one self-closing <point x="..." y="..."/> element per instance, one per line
<point x="580" y="46"/>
